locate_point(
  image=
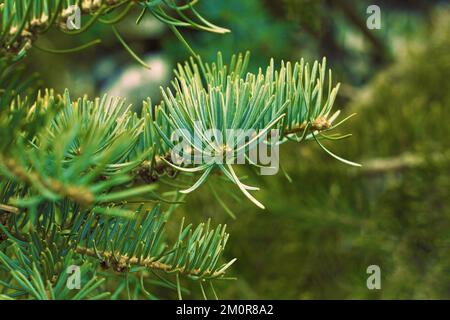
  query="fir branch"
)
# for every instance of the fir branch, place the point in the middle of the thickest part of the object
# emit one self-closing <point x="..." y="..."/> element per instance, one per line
<point x="293" y="99"/>
<point x="107" y="145"/>
<point x="71" y="167"/>
<point x="120" y="263"/>
<point x="80" y="195"/>
<point x="196" y="252"/>
<point x="112" y="242"/>
<point x="23" y="21"/>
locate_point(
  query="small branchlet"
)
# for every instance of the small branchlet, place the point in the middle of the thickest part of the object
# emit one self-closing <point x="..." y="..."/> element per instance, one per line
<point x="78" y="194"/>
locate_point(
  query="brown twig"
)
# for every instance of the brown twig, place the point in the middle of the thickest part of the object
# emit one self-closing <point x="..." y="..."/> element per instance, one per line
<point x="121" y="263"/>
<point x="36" y="26"/>
<point x="80" y="195"/>
<point x="8" y="209"/>
<point x="318" y="124"/>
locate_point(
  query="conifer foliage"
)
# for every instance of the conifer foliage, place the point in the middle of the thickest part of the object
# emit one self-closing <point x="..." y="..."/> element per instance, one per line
<point x="82" y="179"/>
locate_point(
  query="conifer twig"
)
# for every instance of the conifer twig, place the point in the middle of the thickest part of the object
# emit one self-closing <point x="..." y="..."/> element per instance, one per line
<point x="8" y="209"/>
<point x="80" y="195"/>
<point x="119" y="263"/>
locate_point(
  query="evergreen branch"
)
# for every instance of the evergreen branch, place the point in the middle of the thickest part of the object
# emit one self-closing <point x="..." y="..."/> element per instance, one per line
<point x="39" y="271"/>
<point x="100" y="144"/>
<point x="42" y="255"/>
<point x="119" y="263"/>
<point x="138" y="242"/>
<point x="79" y="195"/>
<point x="70" y="156"/>
<point x="72" y="169"/>
<point x="22" y="21"/>
<point x="293" y="99"/>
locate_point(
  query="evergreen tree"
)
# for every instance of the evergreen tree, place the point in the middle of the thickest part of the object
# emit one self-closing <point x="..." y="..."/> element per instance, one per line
<point x="88" y="185"/>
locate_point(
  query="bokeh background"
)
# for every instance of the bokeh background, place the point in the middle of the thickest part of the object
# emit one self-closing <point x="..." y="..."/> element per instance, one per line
<point x="325" y="222"/>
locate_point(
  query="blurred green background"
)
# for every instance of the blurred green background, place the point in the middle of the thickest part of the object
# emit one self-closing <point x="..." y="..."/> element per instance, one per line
<point x="321" y="231"/>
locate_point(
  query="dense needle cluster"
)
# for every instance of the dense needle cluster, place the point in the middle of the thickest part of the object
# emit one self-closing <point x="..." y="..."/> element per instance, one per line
<point x="79" y="178"/>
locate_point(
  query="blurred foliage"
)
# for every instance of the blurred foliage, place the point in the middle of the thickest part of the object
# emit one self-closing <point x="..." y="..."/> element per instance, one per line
<point x="254" y="27"/>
